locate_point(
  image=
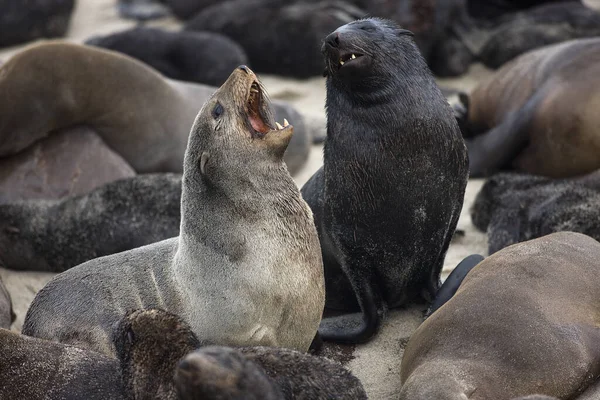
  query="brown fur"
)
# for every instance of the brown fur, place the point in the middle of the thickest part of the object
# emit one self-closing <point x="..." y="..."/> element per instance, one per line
<point x="525" y="320"/>
<point x="539" y="113"/>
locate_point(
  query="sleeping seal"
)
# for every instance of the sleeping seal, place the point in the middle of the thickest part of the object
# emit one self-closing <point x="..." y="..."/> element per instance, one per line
<point x="246" y="268"/>
<point x="140" y="115"/>
<point x="53" y="236"/>
<point x="525" y="320"/>
<point x="387" y="200"/>
<point x="263" y="373"/>
<point x="538" y="113"/>
<point x="513" y="208"/>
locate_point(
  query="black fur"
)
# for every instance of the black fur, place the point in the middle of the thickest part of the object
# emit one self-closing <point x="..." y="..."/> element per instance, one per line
<point x="201" y="57"/>
<point x="57" y="235"/>
<point x="186" y="9"/>
<point x="452" y="283"/>
<point x="279" y="38"/>
<point x="388" y="198"/>
<point x="22" y="21"/>
<point x="263" y="373"/>
<point x="513" y="208"/>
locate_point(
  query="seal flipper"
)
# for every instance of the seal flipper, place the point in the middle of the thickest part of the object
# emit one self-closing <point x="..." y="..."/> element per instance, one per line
<point x="357" y="327"/>
<point x="452" y="283"/>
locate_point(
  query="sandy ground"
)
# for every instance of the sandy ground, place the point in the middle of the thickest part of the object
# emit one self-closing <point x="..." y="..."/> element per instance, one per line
<point x="377" y="363"/>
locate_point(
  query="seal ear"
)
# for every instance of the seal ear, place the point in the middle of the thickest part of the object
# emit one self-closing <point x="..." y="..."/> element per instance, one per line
<point x="278" y="141"/>
<point x="203" y="160"/>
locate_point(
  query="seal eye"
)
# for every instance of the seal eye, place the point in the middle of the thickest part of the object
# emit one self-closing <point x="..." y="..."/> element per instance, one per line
<point x="217" y="111"/>
<point x="367" y="28"/>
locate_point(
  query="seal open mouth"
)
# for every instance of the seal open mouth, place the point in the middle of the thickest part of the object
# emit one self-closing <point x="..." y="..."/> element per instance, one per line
<point x="260" y="115"/>
<point x="348" y="58"/>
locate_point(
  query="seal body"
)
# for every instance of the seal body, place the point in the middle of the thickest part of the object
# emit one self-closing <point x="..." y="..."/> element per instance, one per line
<point x="537" y="113"/>
<point x="140" y="115"/>
<point x="246" y="267"/>
<point x="263" y="373"/>
<point x="54" y="236"/>
<point x="201" y="57"/>
<point x="513" y="208"/>
<point x="388" y="197"/>
<point x="524" y="321"/>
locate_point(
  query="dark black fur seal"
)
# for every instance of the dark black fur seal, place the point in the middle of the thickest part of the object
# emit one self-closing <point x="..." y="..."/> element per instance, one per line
<point x="290" y="35"/>
<point x="513" y="208"/>
<point x="23" y="21"/>
<point x="54" y="236"/>
<point x="149" y="345"/>
<point x="525" y="321"/>
<point x="263" y="373"/>
<point x="387" y="201"/>
<point x="202" y="57"/>
<point x="7" y="315"/>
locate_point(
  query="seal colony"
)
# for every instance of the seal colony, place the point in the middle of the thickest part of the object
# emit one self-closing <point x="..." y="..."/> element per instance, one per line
<point x="538" y="113"/>
<point x="54" y="236"/>
<point x="142" y="116"/>
<point x="246" y="268"/>
<point x="524" y="321"/>
<point x="513" y="208"/>
<point x="388" y="198"/>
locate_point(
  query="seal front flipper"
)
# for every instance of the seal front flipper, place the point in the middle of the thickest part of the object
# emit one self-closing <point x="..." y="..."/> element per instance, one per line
<point x="452" y="283"/>
<point x="357" y="327"/>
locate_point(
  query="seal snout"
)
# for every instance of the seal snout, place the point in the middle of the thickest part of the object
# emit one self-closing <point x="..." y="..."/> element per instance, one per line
<point x="336" y="47"/>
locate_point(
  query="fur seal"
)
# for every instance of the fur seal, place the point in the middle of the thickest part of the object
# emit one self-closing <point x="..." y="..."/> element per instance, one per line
<point x="23" y="21"/>
<point x="66" y="163"/>
<point x="246" y="268"/>
<point x="54" y="236"/>
<point x="202" y="57"/>
<point x="389" y="131"/>
<point x="537" y="114"/>
<point x="7" y="315"/>
<point x="513" y="208"/>
<point x="140" y="115"/>
<point x="263" y="373"/>
<point x="524" y="321"/>
<point x="292" y="31"/>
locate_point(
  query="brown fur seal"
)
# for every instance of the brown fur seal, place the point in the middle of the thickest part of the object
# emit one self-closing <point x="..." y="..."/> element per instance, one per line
<point x="387" y="201"/>
<point x="263" y="373"/>
<point x="54" y="236"/>
<point x="512" y="208"/>
<point x="538" y="114"/>
<point x="7" y="316"/>
<point x="525" y="320"/>
<point x="139" y="114"/>
<point x="246" y="268"/>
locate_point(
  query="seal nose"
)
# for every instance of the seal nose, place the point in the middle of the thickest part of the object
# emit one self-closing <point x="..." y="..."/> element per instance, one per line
<point x="333" y="39"/>
<point x="244" y="68"/>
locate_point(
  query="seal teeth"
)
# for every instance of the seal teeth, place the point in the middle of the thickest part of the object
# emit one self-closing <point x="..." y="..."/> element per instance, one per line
<point x="341" y="62"/>
<point x="285" y="123"/>
<point x="278" y="125"/>
<point x="353" y="56"/>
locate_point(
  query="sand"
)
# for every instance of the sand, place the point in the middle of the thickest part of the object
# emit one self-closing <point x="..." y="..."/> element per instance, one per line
<point x="377" y="364"/>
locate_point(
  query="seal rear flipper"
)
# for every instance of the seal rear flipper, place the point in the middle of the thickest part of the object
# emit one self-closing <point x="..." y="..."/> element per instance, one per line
<point x="358" y="327"/>
<point x="452" y="283"/>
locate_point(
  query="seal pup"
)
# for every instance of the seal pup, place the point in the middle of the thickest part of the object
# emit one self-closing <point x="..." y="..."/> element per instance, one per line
<point x="537" y="114"/>
<point x="513" y="208"/>
<point x="388" y="198"/>
<point x="524" y="320"/>
<point x="263" y="373"/>
<point x="202" y="57"/>
<point x="149" y="344"/>
<point x="139" y="114"/>
<point x="7" y="315"/>
<point x="246" y="268"/>
<point x="53" y="236"/>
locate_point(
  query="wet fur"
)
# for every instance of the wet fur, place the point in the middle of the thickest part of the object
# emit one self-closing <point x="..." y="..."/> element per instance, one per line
<point x="513" y="208"/>
<point x="54" y="236"/>
<point x="246" y="267"/>
<point x="388" y="198"/>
